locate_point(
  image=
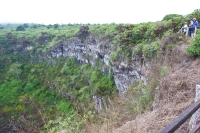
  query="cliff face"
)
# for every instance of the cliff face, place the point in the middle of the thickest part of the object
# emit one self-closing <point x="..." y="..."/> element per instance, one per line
<point x="97" y="53"/>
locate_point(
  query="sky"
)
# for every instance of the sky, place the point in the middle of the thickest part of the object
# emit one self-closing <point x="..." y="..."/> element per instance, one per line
<point x="92" y="11"/>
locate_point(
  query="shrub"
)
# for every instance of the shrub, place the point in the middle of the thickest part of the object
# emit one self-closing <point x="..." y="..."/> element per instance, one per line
<point x="148" y="50"/>
<point x="25" y="25"/>
<point x="20" y="28"/>
<point x="55" y="26"/>
<point x="138" y="49"/>
<point x="170" y="16"/>
<point x="159" y="28"/>
<point x="63" y="106"/>
<point x="114" y="56"/>
<point x="142" y="97"/>
<point x="163" y="70"/>
<point x="194" y="14"/>
<point x="172" y="40"/>
<point x="194" y="47"/>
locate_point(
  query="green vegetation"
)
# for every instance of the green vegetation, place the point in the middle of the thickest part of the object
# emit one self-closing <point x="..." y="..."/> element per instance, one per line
<point x="53" y="94"/>
<point x="194" y="48"/>
<point x="171" y="16"/>
<point x="142" y="98"/>
<point x="20" y="28"/>
<point x="163" y="70"/>
<point x="48" y="90"/>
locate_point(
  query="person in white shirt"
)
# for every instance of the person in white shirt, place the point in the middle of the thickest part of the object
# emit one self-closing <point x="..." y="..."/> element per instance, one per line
<point x="185" y="27"/>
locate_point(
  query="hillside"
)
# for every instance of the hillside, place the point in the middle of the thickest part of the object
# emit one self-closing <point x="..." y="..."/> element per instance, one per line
<point x="175" y="93"/>
<point x="96" y="78"/>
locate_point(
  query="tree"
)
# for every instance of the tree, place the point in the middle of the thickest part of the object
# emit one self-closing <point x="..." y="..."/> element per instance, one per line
<point x="25" y="25"/>
<point x="83" y="32"/>
<point x="195" y="14"/>
<point x="34" y="26"/>
<point x="170" y="16"/>
<point x="55" y="26"/>
<point x="20" y="28"/>
<point x="49" y="26"/>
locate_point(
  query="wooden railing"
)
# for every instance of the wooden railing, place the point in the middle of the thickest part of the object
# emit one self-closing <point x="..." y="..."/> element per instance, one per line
<point x="176" y="123"/>
<point x="181" y="118"/>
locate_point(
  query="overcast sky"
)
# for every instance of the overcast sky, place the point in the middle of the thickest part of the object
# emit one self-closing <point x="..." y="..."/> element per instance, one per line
<point x="92" y="11"/>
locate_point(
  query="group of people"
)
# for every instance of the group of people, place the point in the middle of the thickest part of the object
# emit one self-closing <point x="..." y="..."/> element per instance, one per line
<point x="189" y="29"/>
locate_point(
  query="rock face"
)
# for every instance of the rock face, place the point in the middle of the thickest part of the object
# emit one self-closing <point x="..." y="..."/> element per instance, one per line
<point x="97" y="53"/>
<point x="99" y="103"/>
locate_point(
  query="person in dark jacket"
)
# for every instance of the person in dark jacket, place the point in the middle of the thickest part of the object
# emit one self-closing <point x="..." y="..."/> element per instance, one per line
<point x="191" y="29"/>
<point x="195" y="25"/>
<point x="181" y="28"/>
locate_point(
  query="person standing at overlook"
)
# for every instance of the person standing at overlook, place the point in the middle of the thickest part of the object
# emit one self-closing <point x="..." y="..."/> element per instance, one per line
<point x="191" y="29"/>
<point x="185" y="28"/>
<point x="191" y="23"/>
<point x="181" y="28"/>
<point x="195" y="25"/>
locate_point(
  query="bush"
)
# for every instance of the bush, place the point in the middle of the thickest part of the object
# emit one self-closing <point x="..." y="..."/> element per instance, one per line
<point x="170" y="16"/>
<point x="194" y="48"/>
<point x="138" y="49"/>
<point x="159" y="28"/>
<point x="114" y="56"/>
<point x="142" y="97"/>
<point x="20" y="28"/>
<point x="25" y="25"/>
<point x="64" y="107"/>
<point x="148" y="50"/>
<point x="55" y="26"/>
<point x="194" y="14"/>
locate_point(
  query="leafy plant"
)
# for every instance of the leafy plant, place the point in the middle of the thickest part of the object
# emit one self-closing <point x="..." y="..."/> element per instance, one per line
<point x="20" y="28"/>
<point x="170" y="16"/>
<point x="194" y="48"/>
<point x="142" y="97"/>
<point x="163" y="70"/>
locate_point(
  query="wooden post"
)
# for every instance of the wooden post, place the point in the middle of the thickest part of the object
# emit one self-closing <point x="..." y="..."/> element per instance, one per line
<point x="195" y="116"/>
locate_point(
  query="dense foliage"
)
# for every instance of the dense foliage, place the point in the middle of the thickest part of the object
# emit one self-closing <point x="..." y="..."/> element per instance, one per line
<point x="194" y="48"/>
<point x="43" y="89"/>
<point x="36" y="89"/>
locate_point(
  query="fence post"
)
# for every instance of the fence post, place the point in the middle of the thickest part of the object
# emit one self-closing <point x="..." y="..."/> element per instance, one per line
<point x="195" y="31"/>
<point x="196" y="115"/>
<point x="187" y="31"/>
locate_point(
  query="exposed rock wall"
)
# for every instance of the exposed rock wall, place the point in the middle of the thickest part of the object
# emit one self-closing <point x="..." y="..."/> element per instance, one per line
<point x="92" y="50"/>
